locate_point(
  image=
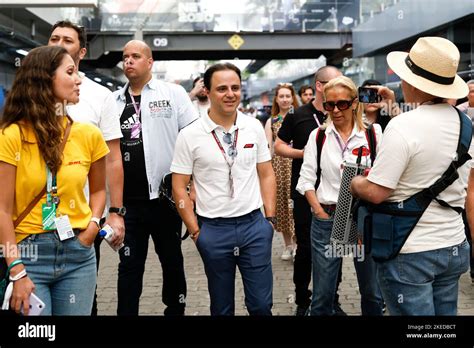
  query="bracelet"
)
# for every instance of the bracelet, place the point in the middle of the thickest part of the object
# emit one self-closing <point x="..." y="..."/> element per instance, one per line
<point x="13" y="264"/>
<point x="20" y="275"/>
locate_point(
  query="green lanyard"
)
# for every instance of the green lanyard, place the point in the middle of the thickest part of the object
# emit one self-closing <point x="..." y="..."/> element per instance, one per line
<point x="51" y="189"/>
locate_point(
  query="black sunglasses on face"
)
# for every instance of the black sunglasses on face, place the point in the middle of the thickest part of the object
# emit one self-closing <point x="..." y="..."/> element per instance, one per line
<point x="341" y="105"/>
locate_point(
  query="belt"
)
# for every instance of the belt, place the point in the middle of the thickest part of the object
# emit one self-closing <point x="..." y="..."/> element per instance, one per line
<point x="329" y="208"/>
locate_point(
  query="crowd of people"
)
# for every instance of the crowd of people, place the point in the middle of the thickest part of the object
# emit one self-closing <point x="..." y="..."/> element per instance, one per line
<point x="68" y="146"/>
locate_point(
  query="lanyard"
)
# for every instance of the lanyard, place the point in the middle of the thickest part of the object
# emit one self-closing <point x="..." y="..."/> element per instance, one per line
<point x="137" y="110"/>
<point x="343" y="148"/>
<point x="234" y="145"/>
<point x="316" y="119"/>
<point x="51" y="188"/>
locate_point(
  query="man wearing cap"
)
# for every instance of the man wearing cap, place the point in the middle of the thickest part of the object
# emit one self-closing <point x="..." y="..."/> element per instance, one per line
<point x="423" y="278"/>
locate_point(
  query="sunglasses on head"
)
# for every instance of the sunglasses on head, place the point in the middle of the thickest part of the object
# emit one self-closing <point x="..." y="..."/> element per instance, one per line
<point x="285" y="84"/>
<point x="341" y="105"/>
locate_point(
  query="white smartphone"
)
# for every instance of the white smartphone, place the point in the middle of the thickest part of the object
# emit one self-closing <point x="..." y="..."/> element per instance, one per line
<point x="36" y="305"/>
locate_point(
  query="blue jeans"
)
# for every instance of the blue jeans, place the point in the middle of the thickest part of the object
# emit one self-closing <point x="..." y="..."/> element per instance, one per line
<point x="246" y="242"/>
<point x="325" y="273"/>
<point x="424" y="283"/>
<point x="64" y="273"/>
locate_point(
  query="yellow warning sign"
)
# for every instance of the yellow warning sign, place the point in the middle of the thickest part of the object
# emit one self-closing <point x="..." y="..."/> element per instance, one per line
<point x="235" y="41"/>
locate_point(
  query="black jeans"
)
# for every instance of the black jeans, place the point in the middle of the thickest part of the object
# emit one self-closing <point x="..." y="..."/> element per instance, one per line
<point x="302" y="265"/>
<point x="158" y="219"/>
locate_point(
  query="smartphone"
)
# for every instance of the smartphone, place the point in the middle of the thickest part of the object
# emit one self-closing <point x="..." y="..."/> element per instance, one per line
<point x="36" y="305"/>
<point x="368" y="95"/>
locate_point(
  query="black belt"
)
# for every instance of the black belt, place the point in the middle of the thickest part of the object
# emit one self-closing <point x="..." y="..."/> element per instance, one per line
<point x="329" y="208"/>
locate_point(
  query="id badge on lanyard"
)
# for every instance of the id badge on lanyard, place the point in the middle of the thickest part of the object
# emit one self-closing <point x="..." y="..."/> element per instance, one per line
<point x="51" y="218"/>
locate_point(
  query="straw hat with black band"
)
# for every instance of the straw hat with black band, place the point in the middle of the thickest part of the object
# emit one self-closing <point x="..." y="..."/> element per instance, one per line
<point x="431" y="67"/>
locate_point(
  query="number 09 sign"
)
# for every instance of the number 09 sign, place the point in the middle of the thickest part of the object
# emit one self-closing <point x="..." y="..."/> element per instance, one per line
<point x="160" y="42"/>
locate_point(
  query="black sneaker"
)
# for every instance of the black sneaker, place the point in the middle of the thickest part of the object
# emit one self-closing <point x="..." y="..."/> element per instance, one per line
<point x="301" y="311"/>
<point x="338" y="311"/>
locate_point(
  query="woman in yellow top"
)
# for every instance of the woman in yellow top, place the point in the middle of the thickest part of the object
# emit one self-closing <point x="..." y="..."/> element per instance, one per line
<point x="51" y="248"/>
<point x="284" y="103"/>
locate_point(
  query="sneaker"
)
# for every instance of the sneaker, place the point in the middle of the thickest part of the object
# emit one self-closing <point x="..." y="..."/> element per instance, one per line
<point x="287" y="253"/>
<point x="301" y="311"/>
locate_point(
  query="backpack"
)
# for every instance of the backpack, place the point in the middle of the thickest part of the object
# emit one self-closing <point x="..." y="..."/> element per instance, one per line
<point x="321" y="137"/>
<point x="387" y="226"/>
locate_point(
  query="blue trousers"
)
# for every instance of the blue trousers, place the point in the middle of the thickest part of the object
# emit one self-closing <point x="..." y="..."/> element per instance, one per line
<point x="246" y="242"/>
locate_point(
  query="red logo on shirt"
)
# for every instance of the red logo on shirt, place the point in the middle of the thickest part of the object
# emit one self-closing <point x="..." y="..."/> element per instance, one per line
<point x="248" y="146"/>
<point x="74" y="162"/>
<point x="365" y="151"/>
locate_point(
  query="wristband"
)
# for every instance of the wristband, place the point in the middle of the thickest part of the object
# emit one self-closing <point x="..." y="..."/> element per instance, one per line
<point x="20" y="275"/>
<point x="13" y="264"/>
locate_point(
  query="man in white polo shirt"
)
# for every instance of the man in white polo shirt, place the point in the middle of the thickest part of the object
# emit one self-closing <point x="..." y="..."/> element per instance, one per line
<point x="96" y="106"/>
<point x="228" y="156"/>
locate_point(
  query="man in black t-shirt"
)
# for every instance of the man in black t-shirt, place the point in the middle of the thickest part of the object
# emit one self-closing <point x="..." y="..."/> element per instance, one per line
<point x="291" y="140"/>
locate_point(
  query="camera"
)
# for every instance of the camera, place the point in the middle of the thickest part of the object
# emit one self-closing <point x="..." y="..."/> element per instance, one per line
<point x="368" y="95"/>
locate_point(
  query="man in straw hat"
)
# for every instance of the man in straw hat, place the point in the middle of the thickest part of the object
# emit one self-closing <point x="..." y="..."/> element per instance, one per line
<point x="417" y="148"/>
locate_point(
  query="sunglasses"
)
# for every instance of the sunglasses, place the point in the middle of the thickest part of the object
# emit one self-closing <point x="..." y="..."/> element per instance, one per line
<point x="341" y="105"/>
<point x="228" y="139"/>
<point x="322" y="82"/>
<point x="285" y="84"/>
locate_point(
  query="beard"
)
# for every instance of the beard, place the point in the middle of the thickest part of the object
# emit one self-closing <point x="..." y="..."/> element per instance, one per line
<point x="202" y="98"/>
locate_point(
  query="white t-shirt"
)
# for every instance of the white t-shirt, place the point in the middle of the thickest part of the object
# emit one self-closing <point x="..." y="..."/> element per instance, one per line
<point x="97" y="106"/>
<point x="416" y="150"/>
<point x="332" y="158"/>
<point x="201" y="108"/>
<point x="197" y="153"/>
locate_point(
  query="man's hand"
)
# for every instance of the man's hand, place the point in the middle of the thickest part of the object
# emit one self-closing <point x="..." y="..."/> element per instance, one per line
<point x="198" y="88"/>
<point x="388" y="105"/>
<point x="116" y="222"/>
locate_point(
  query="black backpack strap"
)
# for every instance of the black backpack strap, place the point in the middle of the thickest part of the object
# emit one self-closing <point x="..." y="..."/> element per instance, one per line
<point x="320" y="138"/>
<point x="372" y="141"/>
<point x="451" y="174"/>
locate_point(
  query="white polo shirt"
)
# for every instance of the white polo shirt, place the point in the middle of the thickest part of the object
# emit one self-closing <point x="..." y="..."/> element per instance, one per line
<point x="97" y="106"/>
<point x="197" y="153"/>
<point x="332" y="158"/>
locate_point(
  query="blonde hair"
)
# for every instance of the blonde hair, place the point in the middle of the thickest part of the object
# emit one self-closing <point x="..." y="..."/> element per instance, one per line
<point x="347" y="83"/>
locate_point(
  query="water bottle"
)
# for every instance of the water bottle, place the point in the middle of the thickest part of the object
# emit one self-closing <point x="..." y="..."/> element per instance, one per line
<point x="107" y="233"/>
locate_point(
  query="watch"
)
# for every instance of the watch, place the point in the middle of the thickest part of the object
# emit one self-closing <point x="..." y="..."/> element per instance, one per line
<point x="272" y="220"/>
<point x="120" y="211"/>
<point x="96" y="220"/>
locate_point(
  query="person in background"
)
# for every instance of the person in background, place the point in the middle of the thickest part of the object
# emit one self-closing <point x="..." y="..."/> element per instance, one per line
<point x="62" y="225"/>
<point x="284" y="102"/>
<point x="468" y="106"/>
<point x="199" y="96"/>
<point x="373" y="112"/>
<point x="306" y="93"/>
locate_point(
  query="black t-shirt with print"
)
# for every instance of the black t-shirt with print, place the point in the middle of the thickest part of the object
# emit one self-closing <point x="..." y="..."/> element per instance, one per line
<point x="135" y="186"/>
<point x="296" y="129"/>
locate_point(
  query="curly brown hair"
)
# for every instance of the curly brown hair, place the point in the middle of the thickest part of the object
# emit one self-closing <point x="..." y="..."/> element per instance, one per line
<point x="31" y="102"/>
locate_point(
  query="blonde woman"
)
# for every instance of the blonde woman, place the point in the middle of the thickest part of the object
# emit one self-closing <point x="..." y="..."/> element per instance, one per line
<point x="345" y="133"/>
<point x="284" y="103"/>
